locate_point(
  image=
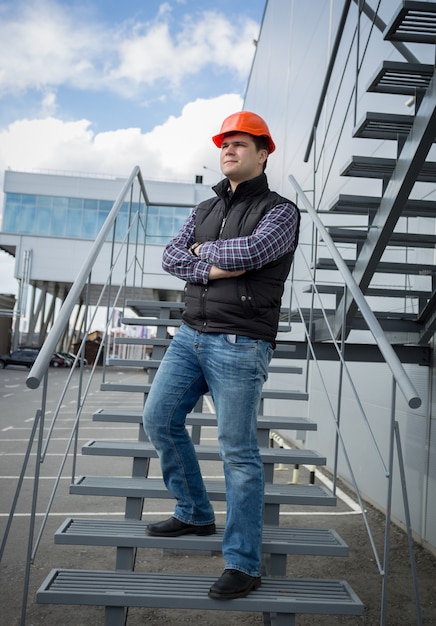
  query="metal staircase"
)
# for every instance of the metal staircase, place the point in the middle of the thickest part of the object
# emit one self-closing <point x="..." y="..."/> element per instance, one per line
<point x="280" y="598"/>
<point x="414" y="134"/>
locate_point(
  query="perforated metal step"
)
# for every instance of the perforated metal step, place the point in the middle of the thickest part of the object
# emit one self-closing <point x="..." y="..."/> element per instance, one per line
<point x="128" y="416"/>
<point x="373" y="167"/>
<point x="125" y="487"/>
<point x="401" y="78"/>
<point x="385" y="267"/>
<point x="132" y="533"/>
<point x="144" y="449"/>
<point x="364" y="205"/>
<point x="377" y="292"/>
<point x="153" y="589"/>
<point x="415" y="240"/>
<point x="384" y="126"/>
<point x="277" y="394"/>
<point x="414" y="22"/>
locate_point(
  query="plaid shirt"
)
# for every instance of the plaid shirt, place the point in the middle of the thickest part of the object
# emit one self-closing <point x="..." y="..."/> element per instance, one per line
<point x="273" y="237"/>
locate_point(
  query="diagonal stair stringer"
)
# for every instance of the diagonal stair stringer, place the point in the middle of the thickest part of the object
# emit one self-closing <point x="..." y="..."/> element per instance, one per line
<point x="409" y="163"/>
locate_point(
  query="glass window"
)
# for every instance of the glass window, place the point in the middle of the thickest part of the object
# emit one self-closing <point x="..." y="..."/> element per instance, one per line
<point x="59" y="216"/>
<point x="58" y="222"/>
<point x="75" y="203"/>
<point x="180" y="217"/>
<point x="100" y="220"/>
<point x="42" y="221"/>
<point x="11" y="211"/>
<point x="105" y="206"/>
<point x="13" y="197"/>
<point x="27" y="219"/>
<point x="10" y="218"/>
<point x="74" y="222"/>
<point x="59" y="202"/>
<point x="165" y="224"/>
<point x="90" y="204"/>
<point x="151" y="224"/>
<point x="28" y="199"/>
<point x="44" y="201"/>
<point x="89" y="224"/>
<point x="121" y="227"/>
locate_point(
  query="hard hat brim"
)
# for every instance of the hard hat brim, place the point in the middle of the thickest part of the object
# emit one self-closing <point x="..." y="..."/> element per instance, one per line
<point x="218" y="139"/>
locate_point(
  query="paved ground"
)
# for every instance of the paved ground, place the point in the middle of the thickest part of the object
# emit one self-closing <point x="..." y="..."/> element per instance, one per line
<point x="18" y="407"/>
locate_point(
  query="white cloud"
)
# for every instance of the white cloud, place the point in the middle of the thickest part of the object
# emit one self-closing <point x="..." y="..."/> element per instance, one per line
<point x="212" y="40"/>
<point x="177" y="149"/>
<point x="48" y="104"/>
<point x="46" y="44"/>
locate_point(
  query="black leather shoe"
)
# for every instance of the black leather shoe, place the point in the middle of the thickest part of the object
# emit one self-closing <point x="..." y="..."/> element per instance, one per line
<point x="173" y="527"/>
<point x="233" y="584"/>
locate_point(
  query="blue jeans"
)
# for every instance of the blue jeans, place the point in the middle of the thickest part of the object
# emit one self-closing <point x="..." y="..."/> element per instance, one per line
<point x="233" y="369"/>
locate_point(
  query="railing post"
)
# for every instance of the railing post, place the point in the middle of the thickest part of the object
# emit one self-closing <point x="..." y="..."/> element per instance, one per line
<point x="29" y="557"/>
<point x="408" y="522"/>
<point x="339" y="403"/>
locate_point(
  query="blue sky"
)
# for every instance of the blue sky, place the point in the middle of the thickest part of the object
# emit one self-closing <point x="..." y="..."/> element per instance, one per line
<point x="99" y="86"/>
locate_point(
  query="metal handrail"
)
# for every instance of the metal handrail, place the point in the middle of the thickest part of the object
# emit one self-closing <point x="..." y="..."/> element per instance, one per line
<point x="45" y="354"/>
<point x="380" y="24"/>
<point x="405" y="384"/>
<point x="328" y="75"/>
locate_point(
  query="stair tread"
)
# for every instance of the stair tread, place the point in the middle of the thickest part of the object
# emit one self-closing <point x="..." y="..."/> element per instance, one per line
<point x="128" y="533"/>
<point x="154" y="364"/>
<point x="209" y="419"/>
<point x="138" y="487"/>
<point x="381" y="167"/>
<point x="204" y="452"/>
<point x="156" y="308"/>
<point x="353" y="235"/>
<point x="282" y="394"/>
<point x="316" y="314"/>
<point x="398" y="77"/>
<point x="414" y="22"/>
<point x="156" y="589"/>
<point x="371" y="291"/>
<point x="362" y="205"/>
<point x="375" y="125"/>
<point x="142" y="341"/>
<point x="384" y="267"/>
<point x="151" y="321"/>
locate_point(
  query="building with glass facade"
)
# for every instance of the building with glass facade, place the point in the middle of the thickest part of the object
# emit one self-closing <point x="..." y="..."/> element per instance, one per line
<point x="50" y="221"/>
<point x="334" y="80"/>
<point x="82" y="218"/>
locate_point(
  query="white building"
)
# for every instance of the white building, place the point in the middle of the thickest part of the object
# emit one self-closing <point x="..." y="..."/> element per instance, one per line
<point x="50" y="222"/>
<point x="315" y="77"/>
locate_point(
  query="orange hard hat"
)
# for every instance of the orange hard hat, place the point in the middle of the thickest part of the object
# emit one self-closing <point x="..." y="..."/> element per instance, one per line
<point x="244" y="122"/>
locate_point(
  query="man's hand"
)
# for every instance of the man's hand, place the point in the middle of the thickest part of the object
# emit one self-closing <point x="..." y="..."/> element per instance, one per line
<point x="217" y="272"/>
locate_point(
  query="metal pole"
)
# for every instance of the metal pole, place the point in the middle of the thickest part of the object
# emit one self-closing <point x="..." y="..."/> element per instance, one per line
<point x="32" y="517"/>
<point x="389" y="354"/>
<point x="20" y="483"/>
<point x="408" y="523"/>
<point x="39" y="367"/>
<point x="339" y="403"/>
<point x="388" y="508"/>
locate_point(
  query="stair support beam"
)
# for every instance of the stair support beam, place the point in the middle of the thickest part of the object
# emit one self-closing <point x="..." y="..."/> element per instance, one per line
<point x="409" y="163"/>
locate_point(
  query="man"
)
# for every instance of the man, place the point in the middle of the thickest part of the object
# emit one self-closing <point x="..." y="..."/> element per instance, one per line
<point x="234" y="252"/>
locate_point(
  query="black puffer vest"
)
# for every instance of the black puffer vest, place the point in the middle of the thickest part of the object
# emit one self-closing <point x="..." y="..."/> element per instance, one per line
<point x="246" y="305"/>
